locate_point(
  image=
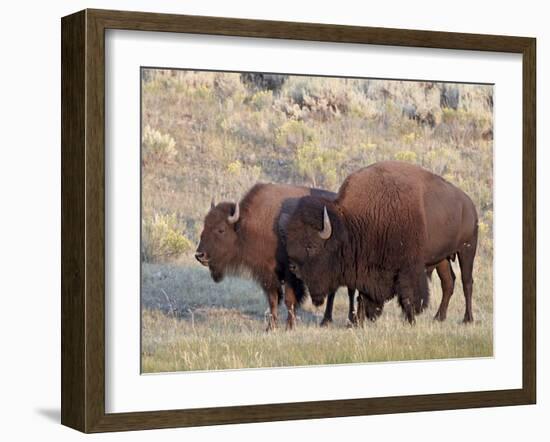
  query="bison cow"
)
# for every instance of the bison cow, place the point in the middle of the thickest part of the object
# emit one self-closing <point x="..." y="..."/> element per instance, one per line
<point x="389" y="222"/>
<point x="244" y="238"/>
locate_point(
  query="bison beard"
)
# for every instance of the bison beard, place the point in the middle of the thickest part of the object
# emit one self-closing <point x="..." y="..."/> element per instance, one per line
<point x="378" y="240"/>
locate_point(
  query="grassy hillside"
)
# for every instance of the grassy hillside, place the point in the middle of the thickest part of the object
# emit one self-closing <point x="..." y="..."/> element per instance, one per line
<point x="209" y="135"/>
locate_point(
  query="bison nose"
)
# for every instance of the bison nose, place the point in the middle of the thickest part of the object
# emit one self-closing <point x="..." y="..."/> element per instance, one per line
<point x="201" y="257"/>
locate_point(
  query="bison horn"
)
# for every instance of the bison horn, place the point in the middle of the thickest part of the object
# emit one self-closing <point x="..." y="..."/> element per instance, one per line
<point x="212" y="204"/>
<point x="232" y="219"/>
<point x="327" y="228"/>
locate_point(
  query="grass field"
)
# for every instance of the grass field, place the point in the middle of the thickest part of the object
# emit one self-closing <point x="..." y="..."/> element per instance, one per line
<point x="212" y="326"/>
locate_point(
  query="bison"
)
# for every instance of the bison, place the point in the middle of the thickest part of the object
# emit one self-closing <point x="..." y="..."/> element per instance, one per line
<point x="244" y="238"/>
<point x="389" y="222"/>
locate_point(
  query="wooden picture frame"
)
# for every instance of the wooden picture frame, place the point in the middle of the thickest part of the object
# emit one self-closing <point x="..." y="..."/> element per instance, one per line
<point x="83" y="220"/>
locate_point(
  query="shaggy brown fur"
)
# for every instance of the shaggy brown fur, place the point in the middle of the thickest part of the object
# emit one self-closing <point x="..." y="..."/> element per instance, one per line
<point x="379" y="243"/>
<point x="368" y="309"/>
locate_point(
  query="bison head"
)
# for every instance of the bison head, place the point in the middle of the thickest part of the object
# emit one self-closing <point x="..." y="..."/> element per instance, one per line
<point x="314" y="236"/>
<point x="218" y="246"/>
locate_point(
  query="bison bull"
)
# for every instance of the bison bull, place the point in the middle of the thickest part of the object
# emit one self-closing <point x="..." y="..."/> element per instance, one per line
<point x="389" y="222"/>
<point x="245" y="237"/>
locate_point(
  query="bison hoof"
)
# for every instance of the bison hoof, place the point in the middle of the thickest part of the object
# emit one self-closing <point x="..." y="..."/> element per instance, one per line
<point x="326" y="322"/>
<point x="439" y="317"/>
<point x="468" y="319"/>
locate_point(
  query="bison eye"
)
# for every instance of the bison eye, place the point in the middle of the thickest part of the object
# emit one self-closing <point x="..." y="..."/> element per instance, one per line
<point x="220" y="231"/>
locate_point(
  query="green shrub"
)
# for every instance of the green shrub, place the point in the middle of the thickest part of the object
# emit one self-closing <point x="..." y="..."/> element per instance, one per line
<point x="157" y="147"/>
<point x="261" y="100"/>
<point x="443" y="160"/>
<point x="235" y="168"/>
<point x="463" y="128"/>
<point x="203" y="93"/>
<point x="162" y="239"/>
<point x="319" y="166"/>
<point x="293" y="134"/>
<point x="325" y="98"/>
<point x="228" y="85"/>
<point x="406" y="155"/>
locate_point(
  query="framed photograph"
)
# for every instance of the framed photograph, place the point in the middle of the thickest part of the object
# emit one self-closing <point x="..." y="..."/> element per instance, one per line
<point x="268" y="220"/>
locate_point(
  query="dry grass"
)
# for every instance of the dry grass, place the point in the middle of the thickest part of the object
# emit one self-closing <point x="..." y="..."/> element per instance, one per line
<point x="190" y="323"/>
